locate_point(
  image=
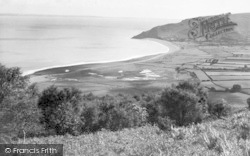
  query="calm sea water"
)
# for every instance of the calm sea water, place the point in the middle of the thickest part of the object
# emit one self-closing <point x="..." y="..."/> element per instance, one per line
<point x="34" y="42"/>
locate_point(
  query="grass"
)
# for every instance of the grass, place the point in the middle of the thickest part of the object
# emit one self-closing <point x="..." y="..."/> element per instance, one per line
<point x="227" y="137"/>
<point x="229" y="84"/>
<point x="201" y="75"/>
<point x="234" y="99"/>
<point x="230" y="78"/>
<point x="228" y="73"/>
<point x="209" y="84"/>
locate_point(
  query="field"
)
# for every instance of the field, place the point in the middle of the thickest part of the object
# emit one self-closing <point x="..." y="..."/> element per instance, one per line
<point x="227" y="66"/>
<point x="235" y="65"/>
<point x="242" y="57"/>
<point x="246" y="91"/>
<point x="229" y="84"/>
<point x="201" y="75"/>
<point x="210" y="73"/>
<point x="213" y="67"/>
<point x="230" y="78"/>
<point x="234" y="99"/>
<point x="237" y="61"/>
<point x="209" y="84"/>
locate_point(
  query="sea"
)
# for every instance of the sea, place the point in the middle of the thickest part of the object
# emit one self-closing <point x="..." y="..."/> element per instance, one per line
<point x="40" y="42"/>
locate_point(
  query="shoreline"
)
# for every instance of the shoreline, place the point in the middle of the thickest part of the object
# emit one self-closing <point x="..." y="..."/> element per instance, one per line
<point x="170" y="49"/>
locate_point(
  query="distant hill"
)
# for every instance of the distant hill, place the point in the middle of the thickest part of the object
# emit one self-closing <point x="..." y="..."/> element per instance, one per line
<point x="179" y="31"/>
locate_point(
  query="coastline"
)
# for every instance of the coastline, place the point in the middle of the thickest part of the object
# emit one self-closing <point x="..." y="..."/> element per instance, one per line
<point x="171" y="46"/>
<point x="170" y="49"/>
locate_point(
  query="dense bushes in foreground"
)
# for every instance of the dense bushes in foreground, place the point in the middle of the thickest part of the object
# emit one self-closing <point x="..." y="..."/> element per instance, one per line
<point x="66" y="111"/>
<point x="227" y="137"/>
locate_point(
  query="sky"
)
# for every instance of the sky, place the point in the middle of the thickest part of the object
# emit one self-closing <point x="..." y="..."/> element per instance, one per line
<point x="167" y="9"/>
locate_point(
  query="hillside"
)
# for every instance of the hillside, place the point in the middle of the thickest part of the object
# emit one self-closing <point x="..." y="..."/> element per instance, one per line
<point x="229" y="137"/>
<point x="179" y="31"/>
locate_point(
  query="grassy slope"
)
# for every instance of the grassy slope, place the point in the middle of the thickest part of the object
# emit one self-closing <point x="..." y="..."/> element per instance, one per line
<point x="228" y="136"/>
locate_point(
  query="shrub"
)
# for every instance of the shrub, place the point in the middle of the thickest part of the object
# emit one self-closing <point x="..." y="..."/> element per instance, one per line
<point x="219" y="108"/>
<point x="198" y="90"/>
<point x="91" y="117"/>
<point x="236" y="88"/>
<point x="11" y="82"/>
<point x="214" y="140"/>
<point x="181" y="105"/>
<point x="185" y="103"/>
<point x="66" y="111"/>
<point x="18" y="104"/>
<point x="212" y="89"/>
<point x="248" y="102"/>
<point x="61" y="110"/>
<point x="165" y="123"/>
<point x="151" y="103"/>
<point x="121" y="112"/>
<point x="112" y="113"/>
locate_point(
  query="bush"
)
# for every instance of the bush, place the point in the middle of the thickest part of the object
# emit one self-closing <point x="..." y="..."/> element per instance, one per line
<point x="11" y="82"/>
<point x="151" y="103"/>
<point x="236" y="88"/>
<point x="212" y="89"/>
<point x="121" y="112"/>
<point x="112" y="113"/>
<point x="184" y="103"/>
<point x="219" y="108"/>
<point x="91" y="118"/>
<point x="248" y="102"/>
<point x="180" y="106"/>
<point x="198" y="90"/>
<point x="165" y="123"/>
<point x="18" y="104"/>
<point x="66" y="111"/>
<point x="61" y="110"/>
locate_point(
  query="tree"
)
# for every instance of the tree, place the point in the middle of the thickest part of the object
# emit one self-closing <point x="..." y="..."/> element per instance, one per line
<point x="248" y="102"/>
<point x="18" y="109"/>
<point x="236" y="88"/>
<point x="11" y="82"/>
<point x="177" y="69"/>
<point x="121" y="112"/>
<point x="181" y="106"/>
<point x="61" y="110"/>
<point x="198" y="90"/>
<point x="219" y="108"/>
<point x="212" y="89"/>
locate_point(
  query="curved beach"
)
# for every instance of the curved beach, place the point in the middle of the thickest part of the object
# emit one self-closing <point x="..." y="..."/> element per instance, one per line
<point x="105" y="71"/>
<point x="170" y="48"/>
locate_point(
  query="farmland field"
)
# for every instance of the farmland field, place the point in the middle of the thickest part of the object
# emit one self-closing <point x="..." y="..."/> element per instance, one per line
<point x="246" y="91"/>
<point x="229" y="84"/>
<point x="228" y="73"/>
<point x="217" y="67"/>
<point x="235" y="99"/>
<point x="201" y="75"/>
<point x="236" y="65"/>
<point x="243" y="61"/>
<point x="210" y="84"/>
<point x="246" y="57"/>
<point x="228" y="78"/>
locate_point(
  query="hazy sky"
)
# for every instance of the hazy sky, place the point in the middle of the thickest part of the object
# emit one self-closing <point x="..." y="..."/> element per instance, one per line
<point x="171" y="9"/>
